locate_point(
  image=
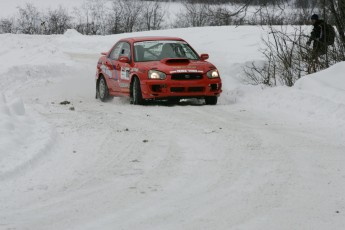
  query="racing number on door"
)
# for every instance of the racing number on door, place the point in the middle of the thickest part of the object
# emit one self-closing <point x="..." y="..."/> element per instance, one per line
<point x="125" y="73"/>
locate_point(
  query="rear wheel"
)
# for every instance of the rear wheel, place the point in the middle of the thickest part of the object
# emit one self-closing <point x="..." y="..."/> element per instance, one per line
<point x="212" y="100"/>
<point x="137" y="97"/>
<point x="102" y="90"/>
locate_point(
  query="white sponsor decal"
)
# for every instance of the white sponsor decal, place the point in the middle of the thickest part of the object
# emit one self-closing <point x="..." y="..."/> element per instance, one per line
<point x="124" y="85"/>
<point x="186" y="71"/>
<point x="125" y="73"/>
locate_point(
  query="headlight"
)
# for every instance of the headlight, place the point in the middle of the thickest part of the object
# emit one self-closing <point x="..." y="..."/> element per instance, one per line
<point x="213" y="74"/>
<point x="154" y="74"/>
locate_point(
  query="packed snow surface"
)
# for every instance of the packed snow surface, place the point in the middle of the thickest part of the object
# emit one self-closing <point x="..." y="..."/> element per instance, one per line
<point x="263" y="158"/>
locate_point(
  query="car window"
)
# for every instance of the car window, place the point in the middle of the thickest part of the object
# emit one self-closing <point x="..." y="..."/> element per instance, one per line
<point x="115" y="53"/>
<point x="158" y="50"/>
<point x="121" y="49"/>
<point x="126" y="50"/>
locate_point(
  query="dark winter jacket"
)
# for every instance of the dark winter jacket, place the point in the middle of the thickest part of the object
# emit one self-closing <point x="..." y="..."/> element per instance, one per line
<point x="318" y="38"/>
<point x="317" y="33"/>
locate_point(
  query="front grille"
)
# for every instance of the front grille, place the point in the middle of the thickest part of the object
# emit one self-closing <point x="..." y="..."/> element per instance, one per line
<point x="177" y="89"/>
<point x="196" y="89"/>
<point x="186" y="76"/>
<point x="189" y="89"/>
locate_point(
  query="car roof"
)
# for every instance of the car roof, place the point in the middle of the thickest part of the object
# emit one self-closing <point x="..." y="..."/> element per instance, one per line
<point x="151" y="38"/>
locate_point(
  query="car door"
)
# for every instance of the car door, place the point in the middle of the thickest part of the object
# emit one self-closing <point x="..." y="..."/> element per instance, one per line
<point x="112" y="64"/>
<point x="124" y="67"/>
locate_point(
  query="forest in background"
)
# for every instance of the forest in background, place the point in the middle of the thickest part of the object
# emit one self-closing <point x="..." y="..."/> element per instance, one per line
<point x="103" y="17"/>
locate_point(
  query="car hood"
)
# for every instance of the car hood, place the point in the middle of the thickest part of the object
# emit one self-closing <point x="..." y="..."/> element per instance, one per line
<point x="177" y="65"/>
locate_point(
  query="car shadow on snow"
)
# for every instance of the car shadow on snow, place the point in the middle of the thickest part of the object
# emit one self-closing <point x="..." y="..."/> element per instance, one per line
<point x="183" y="102"/>
<point x="166" y="103"/>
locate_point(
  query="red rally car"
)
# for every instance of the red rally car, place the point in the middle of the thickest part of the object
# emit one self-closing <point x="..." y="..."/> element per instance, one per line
<point x="156" y="68"/>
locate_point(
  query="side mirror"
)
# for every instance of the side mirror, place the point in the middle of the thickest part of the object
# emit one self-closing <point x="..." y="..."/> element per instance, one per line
<point x="104" y="53"/>
<point x="124" y="59"/>
<point x="204" y="57"/>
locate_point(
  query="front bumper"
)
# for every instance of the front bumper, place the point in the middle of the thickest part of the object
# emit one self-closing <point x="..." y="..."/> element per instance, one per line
<point x="159" y="89"/>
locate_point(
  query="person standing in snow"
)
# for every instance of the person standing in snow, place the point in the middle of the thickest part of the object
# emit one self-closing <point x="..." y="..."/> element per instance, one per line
<point x="320" y="46"/>
<point x="317" y="36"/>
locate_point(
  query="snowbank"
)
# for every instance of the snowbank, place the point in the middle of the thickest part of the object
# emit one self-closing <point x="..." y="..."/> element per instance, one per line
<point x="326" y="92"/>
<point x="316" y="98"/>
<point x="13" y="129"/>
<point x="72" y="33"/>
<point x="22" y="138"/>
<point x="329" y="83"/>
<point x="10" y="113"/>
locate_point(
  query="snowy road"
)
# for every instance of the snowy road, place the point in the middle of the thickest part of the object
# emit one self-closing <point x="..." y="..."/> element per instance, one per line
<point x="189" y="166"/>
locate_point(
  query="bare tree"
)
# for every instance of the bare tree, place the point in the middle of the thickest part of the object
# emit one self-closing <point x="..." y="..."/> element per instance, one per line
<point x="305" y="3"/>
<point x="29" y="19"/>
<point x="286" y="58"/>
<point x="261" y="73"/>
<point x="88" y="18"/>
<point x="336" y="9"/>
<point x="132" y="11"/>
<point x="99" y="12"/>
<point x="153" y="15"/>
<point x="81" y="17"/>
<point x="211" y="13"/>
<point x="196" y="14"/>
<point x="7" y="25"/>
<point x="116" y="18"/>
<point x="57" y="21"/>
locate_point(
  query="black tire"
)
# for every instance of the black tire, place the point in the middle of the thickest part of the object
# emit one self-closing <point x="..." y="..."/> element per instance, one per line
<point x="137" y="97"/>
<point x="103" y="90"/>
<point x="212" y="100"/>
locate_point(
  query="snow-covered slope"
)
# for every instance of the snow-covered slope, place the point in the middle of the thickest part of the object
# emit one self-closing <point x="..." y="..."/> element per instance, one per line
<point x="263" y="158"/>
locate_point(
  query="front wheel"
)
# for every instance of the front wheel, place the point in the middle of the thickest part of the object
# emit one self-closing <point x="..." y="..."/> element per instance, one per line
<point x="212" y="100"/>
<point x="137" y="97"/>
<point x="102" y="90"/>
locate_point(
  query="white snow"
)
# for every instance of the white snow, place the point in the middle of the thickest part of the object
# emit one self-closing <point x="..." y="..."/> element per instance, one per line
<point x="263" y="158"/>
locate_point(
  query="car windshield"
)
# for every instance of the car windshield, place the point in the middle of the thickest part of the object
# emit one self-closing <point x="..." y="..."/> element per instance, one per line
<point x="158" y="50"/>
